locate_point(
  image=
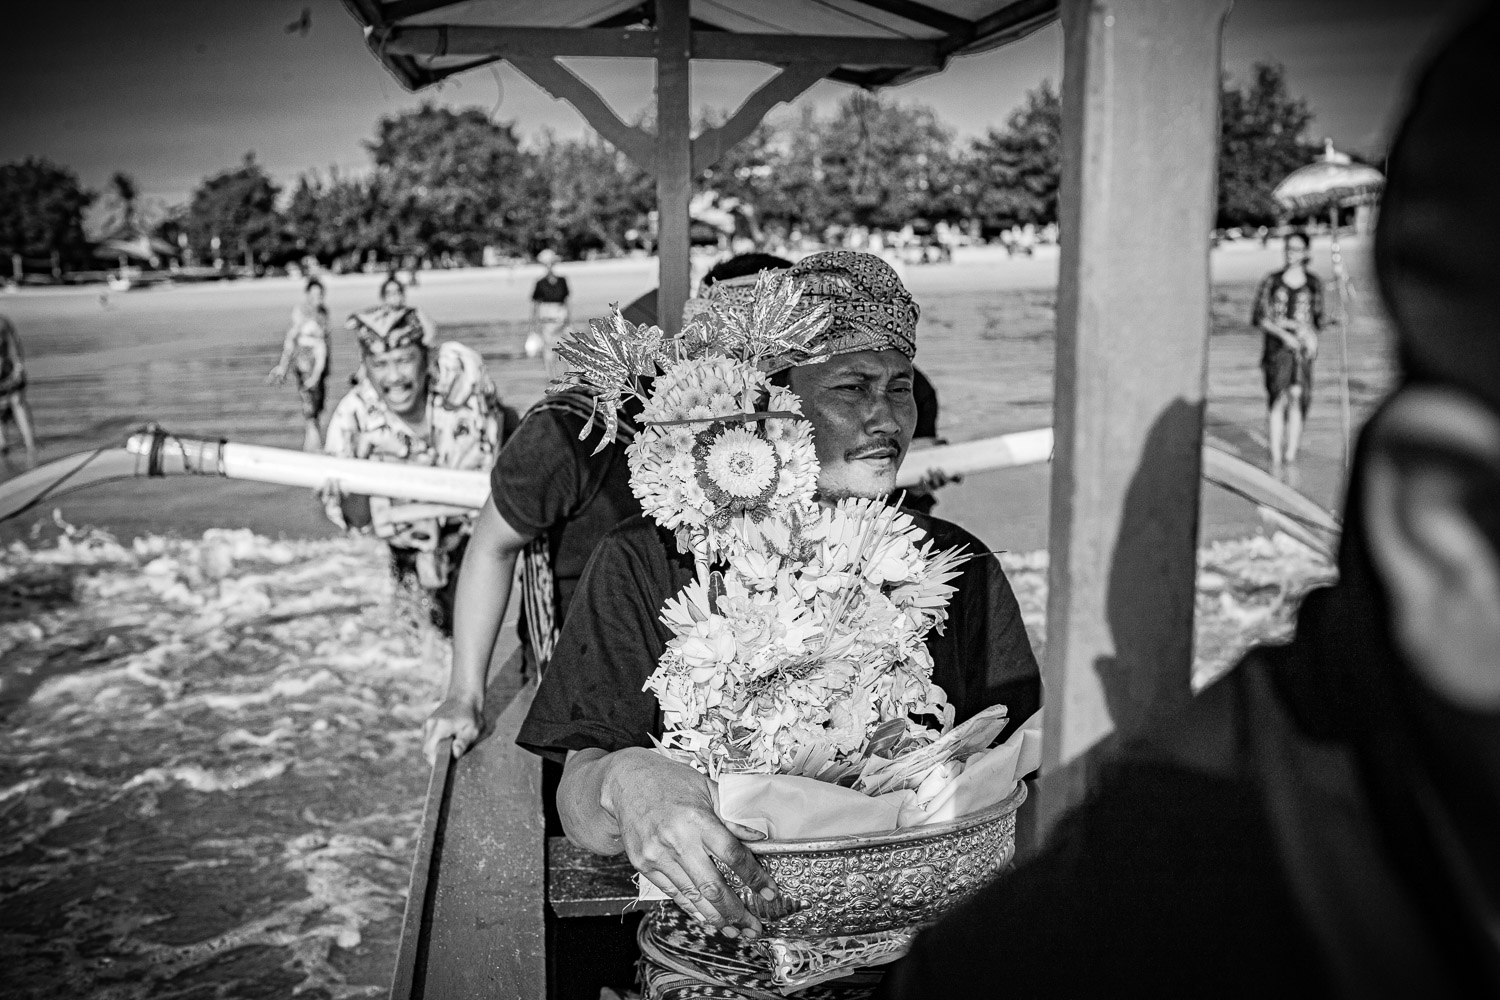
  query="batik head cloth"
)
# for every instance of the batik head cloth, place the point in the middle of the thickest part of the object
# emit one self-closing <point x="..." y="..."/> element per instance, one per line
<point x="871" y="309"/>
<point x="383" y="328"/>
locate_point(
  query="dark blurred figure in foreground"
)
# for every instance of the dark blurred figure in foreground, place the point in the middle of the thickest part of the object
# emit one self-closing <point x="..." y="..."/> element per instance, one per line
<point x="1326" y="819"/>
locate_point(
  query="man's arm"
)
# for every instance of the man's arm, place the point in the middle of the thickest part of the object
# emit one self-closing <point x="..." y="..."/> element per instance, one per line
<point x="661" y="815"/>
<point x="479" y="604"/>
<point x="351" y="512"/>
<point x="1260" y="315"/>
<point x="288" y="348"/>
<point x="13" y="349"/>
<point x="617" y="794"/>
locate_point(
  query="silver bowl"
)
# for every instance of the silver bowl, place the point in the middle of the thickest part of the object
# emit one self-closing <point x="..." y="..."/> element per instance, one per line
<point x="887" y="881"/>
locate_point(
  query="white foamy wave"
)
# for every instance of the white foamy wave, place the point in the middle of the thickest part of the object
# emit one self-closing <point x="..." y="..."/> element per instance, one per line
<point x="213" y="778"/>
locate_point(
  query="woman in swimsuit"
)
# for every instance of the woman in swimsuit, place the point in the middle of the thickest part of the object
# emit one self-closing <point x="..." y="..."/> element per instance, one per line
<point x="308" y="341"/>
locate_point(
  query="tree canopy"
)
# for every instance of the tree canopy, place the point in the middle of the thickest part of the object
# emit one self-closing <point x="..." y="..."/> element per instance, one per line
<point x="1013" y="173"/>
<point x="455" y="181"/>
<point x="238" y="208"/>
<point x="1262" y="138"/>
<point x="41" y="211"/>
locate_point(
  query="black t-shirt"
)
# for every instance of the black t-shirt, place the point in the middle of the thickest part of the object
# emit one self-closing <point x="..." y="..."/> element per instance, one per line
<point x="591" y="695"/>
<point x="550" y="288"/>
<point x="546" y="481"/>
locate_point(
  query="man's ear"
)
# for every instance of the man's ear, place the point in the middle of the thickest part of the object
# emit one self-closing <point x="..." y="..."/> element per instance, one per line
<point x="1430" y="484"/>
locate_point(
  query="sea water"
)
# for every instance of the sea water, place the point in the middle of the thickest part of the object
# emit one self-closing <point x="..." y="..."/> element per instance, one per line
<point x="210" y="772"/>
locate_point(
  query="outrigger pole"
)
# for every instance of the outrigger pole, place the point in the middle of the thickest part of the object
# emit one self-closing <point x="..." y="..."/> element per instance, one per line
<point x="154" y="453"/>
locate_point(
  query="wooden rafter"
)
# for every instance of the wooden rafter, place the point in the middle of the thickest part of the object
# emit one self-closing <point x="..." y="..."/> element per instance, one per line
<point x="1012" y="23"/>
<point x="394" y="11"/>
<point x="784" y="50"/>
<point x="711" y="144"/>
<point x="559" y="81"/>
<point x="503" y="43"/>
<point x="781" y="50"/>
<point x="920" y="13"/>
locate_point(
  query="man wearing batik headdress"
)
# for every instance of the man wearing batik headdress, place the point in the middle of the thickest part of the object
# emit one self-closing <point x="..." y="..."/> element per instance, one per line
<point x="617" y="794"/>
<point x="420" y="405"/>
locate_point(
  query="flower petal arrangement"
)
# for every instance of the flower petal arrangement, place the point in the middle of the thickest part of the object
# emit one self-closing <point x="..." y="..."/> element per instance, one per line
<point x="799" y="649"/>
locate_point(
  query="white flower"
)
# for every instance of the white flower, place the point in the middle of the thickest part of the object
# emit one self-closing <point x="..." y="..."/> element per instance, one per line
<point x="741" y="463"/>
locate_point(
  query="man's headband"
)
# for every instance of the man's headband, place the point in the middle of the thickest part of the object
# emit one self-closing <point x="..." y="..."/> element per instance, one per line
<point x="871" y="309"/>
<point x="382" y="329"/>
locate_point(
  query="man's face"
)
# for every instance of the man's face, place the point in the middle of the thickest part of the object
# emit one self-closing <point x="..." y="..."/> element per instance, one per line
<point x="315" y="296"/>
<point x="393" y="296"/>
<point x="863" y="414"/>
<point x="1297" y="253"/>
<point x="401" y="378"/>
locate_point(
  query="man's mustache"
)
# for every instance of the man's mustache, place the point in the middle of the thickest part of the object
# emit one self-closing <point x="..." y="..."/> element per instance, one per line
<point x="876" y="448"/>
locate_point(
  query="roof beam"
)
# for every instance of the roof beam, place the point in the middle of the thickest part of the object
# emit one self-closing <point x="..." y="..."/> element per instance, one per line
<point x="711" y="144"/>
<point x="920" y="13"/>
<point x="393" y="11"/>
<point x="839" y="50"/>
<point x="530" y="43"/>
<point x="459" y="40"/>
<point x="559" y="81"/>
<point x="1012" y="23"/>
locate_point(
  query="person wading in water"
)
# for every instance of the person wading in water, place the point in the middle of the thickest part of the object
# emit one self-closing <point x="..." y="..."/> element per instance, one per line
<point x="309" y="341"/>
<point x="1289" y="311"/>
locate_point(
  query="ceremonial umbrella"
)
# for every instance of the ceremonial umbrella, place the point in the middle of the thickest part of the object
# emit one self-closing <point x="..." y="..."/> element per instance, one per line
<point x="138" y="246"/>
<point x="1332" y="183"/>
<point x="1325" y="185"/>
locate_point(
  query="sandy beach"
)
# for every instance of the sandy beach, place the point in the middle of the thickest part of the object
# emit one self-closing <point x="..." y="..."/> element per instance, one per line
<point x="194" y="358"/>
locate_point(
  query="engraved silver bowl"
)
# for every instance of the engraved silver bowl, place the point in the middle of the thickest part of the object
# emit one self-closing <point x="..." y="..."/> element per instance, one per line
<point x="887" y="881"/>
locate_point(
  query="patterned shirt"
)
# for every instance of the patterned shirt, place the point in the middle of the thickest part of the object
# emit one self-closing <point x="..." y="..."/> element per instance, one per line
<point x="464" y="428"/>
<point x="1279" y="302"/>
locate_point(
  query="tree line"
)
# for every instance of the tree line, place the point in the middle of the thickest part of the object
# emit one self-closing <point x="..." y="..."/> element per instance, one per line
<point x="453" y="182"/>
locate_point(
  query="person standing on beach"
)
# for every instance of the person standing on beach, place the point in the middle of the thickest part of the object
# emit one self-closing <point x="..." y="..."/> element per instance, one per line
<point x="393" y="300"/>
<point x="309" y="341"/>
<point x="423" y="406"/>
<point x="1289" y="311"/>
<point x="13" y="389"/>
<point x="549" y="312"/>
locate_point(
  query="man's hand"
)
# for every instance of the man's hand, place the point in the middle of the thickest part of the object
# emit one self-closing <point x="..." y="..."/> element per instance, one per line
<point x="665" y="812"/>
<point x="936" y="479"/>
<point x="332" y="492"/>
<point x="277" y="376"/>
<point x="455" y="717"/>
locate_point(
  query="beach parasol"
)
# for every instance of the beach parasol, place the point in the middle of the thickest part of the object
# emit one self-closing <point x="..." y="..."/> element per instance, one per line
<point x="1332" y="183"/>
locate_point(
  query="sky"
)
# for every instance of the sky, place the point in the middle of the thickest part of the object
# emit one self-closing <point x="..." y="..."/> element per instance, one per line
<point x="171" y="91"/>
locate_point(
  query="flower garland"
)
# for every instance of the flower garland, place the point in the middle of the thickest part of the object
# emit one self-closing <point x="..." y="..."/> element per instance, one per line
<point x="809" y="658"/>
<point x="804" y="651"/>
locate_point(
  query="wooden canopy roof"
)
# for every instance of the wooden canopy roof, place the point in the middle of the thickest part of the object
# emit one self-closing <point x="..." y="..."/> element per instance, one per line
<point x="869" y="43"/>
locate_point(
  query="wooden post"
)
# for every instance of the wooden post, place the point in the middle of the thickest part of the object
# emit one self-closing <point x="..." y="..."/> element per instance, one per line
<point x="674" y="158"/>
<point x="1140" y="140"/>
